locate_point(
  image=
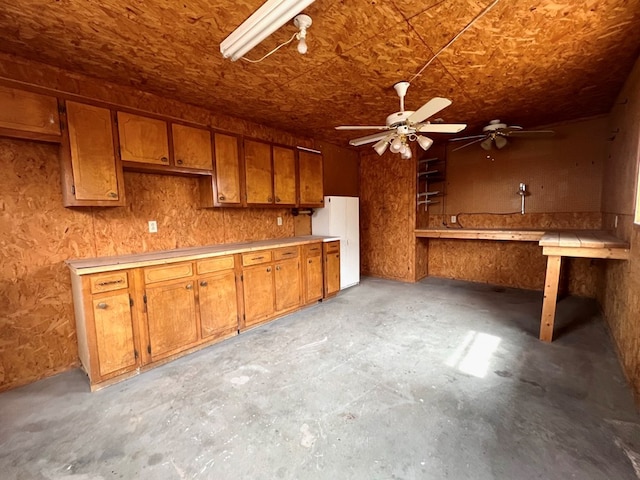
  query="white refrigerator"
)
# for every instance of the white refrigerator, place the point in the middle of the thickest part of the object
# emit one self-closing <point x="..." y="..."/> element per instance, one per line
<point x="340" y="217"/>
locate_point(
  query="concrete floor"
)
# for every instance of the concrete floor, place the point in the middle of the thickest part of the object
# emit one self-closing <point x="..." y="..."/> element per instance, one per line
<point x="440" y="379"/>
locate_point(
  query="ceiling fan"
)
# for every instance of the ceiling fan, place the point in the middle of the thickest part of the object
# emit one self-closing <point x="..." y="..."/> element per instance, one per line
<point x="405" y="125"/>
<point x="497" y="132"/>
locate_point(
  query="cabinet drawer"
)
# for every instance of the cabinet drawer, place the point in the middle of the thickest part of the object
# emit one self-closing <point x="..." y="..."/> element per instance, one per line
<point x="313" y="250"/>
<point x="109" y="282"/>
<point x="168" y="272"/>
<point x="215" y="264"/>
<point x="285" y="253"/>
<point x="332" y="247"/>
<point x="256" y="258"/>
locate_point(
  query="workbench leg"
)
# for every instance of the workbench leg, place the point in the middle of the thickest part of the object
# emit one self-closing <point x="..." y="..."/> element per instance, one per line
<point x="551" y="281"/>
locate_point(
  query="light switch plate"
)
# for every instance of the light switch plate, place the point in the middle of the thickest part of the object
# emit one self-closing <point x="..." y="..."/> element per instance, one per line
<point x="279" y="220"/>
<point x="153" y="226"/>
<point x="454" y="219"/>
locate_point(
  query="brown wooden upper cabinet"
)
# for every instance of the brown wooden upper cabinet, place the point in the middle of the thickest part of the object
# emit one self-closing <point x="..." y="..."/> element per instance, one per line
<point x="191" y="147"/>
<point x="29" y="115"/>
<point x="311" y="180"/>
<point x="284" y="176"/>
<point x="223" y="189"/>
<point x="143" y="139"/>
<point x="90" y="172"/>
<point x="258" y="172"/>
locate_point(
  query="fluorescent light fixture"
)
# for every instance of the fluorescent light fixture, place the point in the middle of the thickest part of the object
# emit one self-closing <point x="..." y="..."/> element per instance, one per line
<point x="262" y="23"/>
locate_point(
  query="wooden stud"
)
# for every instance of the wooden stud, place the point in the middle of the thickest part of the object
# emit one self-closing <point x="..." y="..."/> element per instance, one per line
<point x="551" y="282"/>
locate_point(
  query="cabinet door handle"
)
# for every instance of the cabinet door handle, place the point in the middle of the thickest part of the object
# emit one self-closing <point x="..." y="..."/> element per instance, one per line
<point x="310" y="261"/>
<point x="189" y="286"/>
<point x="164" y="160"/>
<point x="269" y="199"/>
<point x="110" y="282"/>
<point x="113" y="195"/>
<point x="278" y="267"/>
<point x="179" y="162"/>
<point x="277" y="199"/>
<point x="257" y="258"/>
<point x="287" y="253"/>
<point x="102" y="306"/>
<point x="221" y="198"/>
<point x="203" y="283"/>
<point x="268" y="269"/>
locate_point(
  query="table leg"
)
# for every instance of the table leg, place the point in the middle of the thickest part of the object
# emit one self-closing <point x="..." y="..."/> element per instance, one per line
<point x="551" y="281"/>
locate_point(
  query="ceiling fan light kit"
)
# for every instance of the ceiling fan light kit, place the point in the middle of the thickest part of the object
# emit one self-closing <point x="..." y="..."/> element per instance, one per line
<point x="272" y="15"/>
<point x="403" y="126"/>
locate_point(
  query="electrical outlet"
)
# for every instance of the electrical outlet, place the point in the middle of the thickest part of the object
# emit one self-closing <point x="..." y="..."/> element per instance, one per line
<point x="454" y="219"/>
<point x="153" y="226"/>
<point x="279" y="220"/>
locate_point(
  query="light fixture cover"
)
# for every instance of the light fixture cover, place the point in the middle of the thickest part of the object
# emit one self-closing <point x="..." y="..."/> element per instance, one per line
<point x="486" y="144"/>
<point x="500" y="141"/>
<point x="381" y="146"/>
<point x="424" y="142"/>
<point x="262" y="23"/>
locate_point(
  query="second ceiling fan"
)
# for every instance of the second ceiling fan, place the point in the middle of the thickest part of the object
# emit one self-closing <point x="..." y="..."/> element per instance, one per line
<point x="496" y="133"/>
<point x="405" y="125"/>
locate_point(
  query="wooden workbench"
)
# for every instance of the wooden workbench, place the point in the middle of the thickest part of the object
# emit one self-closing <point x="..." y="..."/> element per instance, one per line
<point x="586" y="244"/>
<point x="555" y="245"/>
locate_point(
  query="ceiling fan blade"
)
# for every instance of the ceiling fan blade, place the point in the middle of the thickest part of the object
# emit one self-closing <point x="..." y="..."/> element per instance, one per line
<point x="532" y="133"/>
<point x="441" y="127"/>
<point x="356" y="142"/>
<point x="362" y="127"/>
<point x="467" y="144"/>
<point x="429" y="109"/>
<point x="470" y="137"/>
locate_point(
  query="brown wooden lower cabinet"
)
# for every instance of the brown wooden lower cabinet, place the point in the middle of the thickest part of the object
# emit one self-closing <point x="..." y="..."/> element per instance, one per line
<point x="132" y="319"/>
<point x="331" y="268"/>
<point x="171" y="317"/>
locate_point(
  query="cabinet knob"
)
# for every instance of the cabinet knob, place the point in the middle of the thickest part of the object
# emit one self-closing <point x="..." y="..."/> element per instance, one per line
<point x="179" y="162"/>
<point x="189" y="286"/>
<point x="277" y="267"/>
<point x="310" y="261"/>
<point x="203" y="283"/>
<point x="164" y="160"/>
<point x="270" y="199"/>
<point x="221" y="198"/>
<point x="113" y="195"/>
<point x="277" y="199"/>
<point x="102" y="306"/>
<point x="268" y="269"/>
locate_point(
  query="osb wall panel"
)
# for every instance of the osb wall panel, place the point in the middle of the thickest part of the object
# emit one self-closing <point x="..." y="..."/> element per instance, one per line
<point x="621" y="297"/>
<point x="341" y="170"/>
<point x="37" y="323"/>
<point x="387" y="216"/>
<point x="624" y="149"/>
<point x="37" y="326"/>
<point x="514" y="264"/>
<point x="563" y="173"/>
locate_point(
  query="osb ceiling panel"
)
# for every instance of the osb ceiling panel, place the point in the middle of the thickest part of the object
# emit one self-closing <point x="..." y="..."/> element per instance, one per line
<point x="527" y="62"/>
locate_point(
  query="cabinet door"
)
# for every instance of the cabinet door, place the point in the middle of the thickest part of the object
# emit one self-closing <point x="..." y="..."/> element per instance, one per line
<point x="114" y="333"/>
<point x="258" y="293"/>
<point x="171" y="316"/>
<point x="93" y="160"/>
<point x="28" y="112"/>
<point x="218" y="303"/>
<point x="332" y="268"/>
<point x="191" y="147"/>
<point x="287" y="282"/>
<point x="311" y="180"/>
<point x="143" y="139"/>
<point x="284" y="176"/>
<point x="258" y="172"/>
<point x="313" y="278"/>
<point x="227" y="169"/>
